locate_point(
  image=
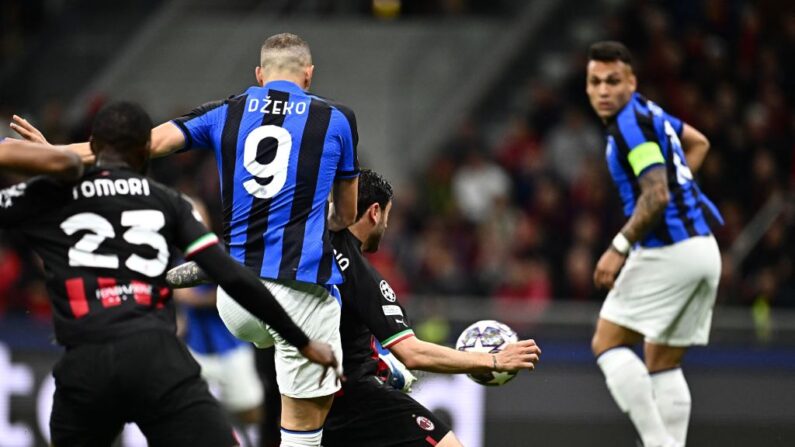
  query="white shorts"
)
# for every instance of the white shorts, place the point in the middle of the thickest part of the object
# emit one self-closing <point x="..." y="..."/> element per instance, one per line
<point x="667" y="293"/>
<point x="315" y="311"/>
<point x="233" y="378"/>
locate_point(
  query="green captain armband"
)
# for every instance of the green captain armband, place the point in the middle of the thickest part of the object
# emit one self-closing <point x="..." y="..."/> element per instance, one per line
<point x="645" y="155"/>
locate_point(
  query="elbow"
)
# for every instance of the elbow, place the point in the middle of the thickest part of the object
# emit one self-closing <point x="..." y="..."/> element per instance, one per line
<point x="656" y="199"/>
<point x="705" y="143"/>
<point x="346" y="217"/>
<point x="704" y="146"/>
<point x="408" y="357"/>
<point x="349" y="218"/>
<point x="411" y="362"/>
<point x="662" y="197"/>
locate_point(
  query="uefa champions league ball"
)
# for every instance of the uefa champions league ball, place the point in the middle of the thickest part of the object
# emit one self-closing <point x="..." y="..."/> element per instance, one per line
<point x="487" y="336"/>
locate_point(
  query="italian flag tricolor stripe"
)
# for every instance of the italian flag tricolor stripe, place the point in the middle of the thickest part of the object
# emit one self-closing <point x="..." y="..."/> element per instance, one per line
<point x="400" y="336"/>
<point x="200" y="244"/>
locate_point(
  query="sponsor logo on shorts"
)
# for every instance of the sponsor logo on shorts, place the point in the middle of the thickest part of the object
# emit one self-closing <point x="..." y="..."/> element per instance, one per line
<point x="425" y="423"/>
<point x="387" y="291"/>
<point x="392" y="310"/>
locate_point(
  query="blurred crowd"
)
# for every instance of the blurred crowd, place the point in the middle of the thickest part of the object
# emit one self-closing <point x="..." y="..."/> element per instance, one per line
<point x="20" y="21"/>
<point x="527" y="217"/>
<point x="524" y="216"/>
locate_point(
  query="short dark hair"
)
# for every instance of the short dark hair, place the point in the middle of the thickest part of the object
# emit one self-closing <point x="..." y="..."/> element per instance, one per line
<point x="610" y="51"/>
<point x="123" y="126"/>
<point x="373" y="188"/>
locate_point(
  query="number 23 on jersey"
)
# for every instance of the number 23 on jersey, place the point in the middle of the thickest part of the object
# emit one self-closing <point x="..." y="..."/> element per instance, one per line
<point x="143" y="227"/>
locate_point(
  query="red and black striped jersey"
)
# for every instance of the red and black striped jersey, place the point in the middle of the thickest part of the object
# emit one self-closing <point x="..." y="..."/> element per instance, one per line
<point x="106" y="243"/>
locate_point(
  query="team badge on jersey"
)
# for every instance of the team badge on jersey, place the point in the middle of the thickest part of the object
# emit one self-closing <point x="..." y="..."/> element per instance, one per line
<point x="387" y="291"/>
<point x="425" y="423"/>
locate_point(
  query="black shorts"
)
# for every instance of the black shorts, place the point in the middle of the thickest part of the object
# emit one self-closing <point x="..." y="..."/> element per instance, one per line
<point x="371" y="414"/>
<point x="148" y="378"/>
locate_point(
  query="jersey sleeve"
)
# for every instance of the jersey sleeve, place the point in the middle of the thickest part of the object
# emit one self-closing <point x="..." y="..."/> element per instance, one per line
<point x="642" y="142"/>
<point x="380" y="310"/>
<point x="200" y="124"/>
<point x="348" y="166"/>
<point x="21" y="202"/>
<point x="676" y="123"/>
<point x="191" y="235"/>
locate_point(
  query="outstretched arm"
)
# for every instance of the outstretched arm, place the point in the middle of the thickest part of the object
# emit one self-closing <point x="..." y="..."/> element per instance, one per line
<point x="34" y="158"/>
<point x="186" y="275"/>
<point x="166" y="138"/>
<point x="418" y="354"/>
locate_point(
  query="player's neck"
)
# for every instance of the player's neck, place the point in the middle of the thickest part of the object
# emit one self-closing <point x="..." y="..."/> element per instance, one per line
<point x="359" y="231"/>
<point x="290" y="77"/>
<point x="111" y="160"/>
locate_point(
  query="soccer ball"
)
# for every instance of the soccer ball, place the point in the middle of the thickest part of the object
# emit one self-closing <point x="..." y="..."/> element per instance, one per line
<point x="487" y="336"/>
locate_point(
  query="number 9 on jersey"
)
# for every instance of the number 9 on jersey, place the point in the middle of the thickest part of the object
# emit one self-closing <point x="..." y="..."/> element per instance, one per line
<point x="276" y="170"/>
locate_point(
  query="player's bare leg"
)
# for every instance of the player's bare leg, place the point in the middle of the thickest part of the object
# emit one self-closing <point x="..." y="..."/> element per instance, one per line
<point x="302" y="420"/>
<point x="609" y="335"/>
<point x="661" y="357"/>
<point x="628" y="381"/>
<point x="449" y="440"/>
<point x="671" y="392"/>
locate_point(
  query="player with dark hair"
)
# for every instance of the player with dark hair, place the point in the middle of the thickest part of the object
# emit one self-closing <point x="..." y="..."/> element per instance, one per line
<point x="106" y="242"/>
<point x="370" y="411"/>
<point x="280" y="152"/>
<point x="665" y="292"/>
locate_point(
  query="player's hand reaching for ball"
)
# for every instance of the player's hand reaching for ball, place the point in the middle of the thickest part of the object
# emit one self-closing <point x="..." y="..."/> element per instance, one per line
<point x="322" y="354"/>
<point x="27" y="131"/>
<point x="523" y="354"/>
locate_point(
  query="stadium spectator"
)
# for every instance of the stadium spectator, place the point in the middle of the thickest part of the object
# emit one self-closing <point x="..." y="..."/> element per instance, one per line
<point x="477" y="184"/>
<point x="572" y="143"/>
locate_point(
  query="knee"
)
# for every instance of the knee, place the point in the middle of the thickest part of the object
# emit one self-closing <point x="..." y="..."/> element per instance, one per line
<point x="597" y="345"/>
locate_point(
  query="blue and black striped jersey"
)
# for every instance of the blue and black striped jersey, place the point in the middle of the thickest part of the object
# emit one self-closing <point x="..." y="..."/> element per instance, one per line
<point x="643" y="136"/>
<point x="278" y="150"/>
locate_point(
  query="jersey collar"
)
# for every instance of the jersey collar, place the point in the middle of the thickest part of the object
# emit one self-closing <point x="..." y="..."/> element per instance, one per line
<point x="284" y="86"/>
